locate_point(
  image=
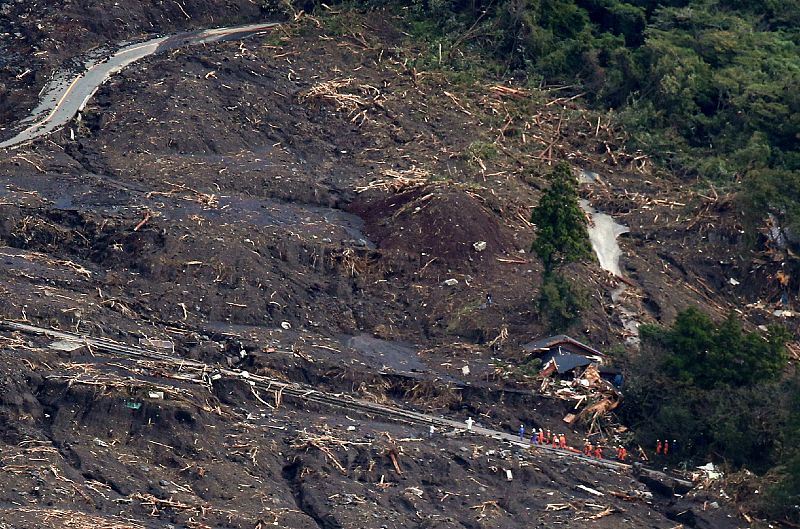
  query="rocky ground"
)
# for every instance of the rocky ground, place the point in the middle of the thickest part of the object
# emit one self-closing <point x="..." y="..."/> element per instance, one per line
<point x="303" y="197"/>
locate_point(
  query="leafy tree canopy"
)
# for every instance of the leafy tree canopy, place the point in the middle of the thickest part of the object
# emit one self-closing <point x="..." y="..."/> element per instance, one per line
<point x="703" y="354"/>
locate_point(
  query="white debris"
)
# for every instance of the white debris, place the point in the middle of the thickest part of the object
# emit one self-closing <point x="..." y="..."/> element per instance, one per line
<point x="416" y="491"/>
<point x="65" y="345"/>
<point x="451" y="282"/>
<point x="709" y="471"/>
<point x="509" y="477"/>
<point x="733" y="282"/>
<point x="465" y="370"/>
<point x="479" y="246"/>
<point x="155" y="394"/>
<point x="590" y="490"/>
<point x="286" y="325"/>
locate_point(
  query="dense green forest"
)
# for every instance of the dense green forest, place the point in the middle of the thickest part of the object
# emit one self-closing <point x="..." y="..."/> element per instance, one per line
<point x="707" y="87"/>
<point x="723" y="395"/>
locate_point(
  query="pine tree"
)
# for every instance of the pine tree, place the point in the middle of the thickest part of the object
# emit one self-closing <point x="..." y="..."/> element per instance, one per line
<point x="561" y="235"/>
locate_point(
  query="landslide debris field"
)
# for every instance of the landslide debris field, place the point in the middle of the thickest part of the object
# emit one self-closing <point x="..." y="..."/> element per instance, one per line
<point x="291" y="205"/>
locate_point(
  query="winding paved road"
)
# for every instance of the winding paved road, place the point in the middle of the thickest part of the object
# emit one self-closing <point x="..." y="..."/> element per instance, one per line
<point x="65" y="96"/>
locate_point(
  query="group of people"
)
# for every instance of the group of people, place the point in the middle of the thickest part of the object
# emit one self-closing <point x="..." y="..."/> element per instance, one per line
<point x="543" y="437"/>
<point x="663" y="448"/>
<point x="597" y="451"/>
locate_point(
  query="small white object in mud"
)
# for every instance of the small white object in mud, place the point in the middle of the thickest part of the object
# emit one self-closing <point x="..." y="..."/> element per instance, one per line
<point x="479" y="246"/>
<point x="286" y="325"/>
<point x="733" y="282"/>
<point x="465" y="370"/>
<point x="451" y="282"/>
<point x="509" y="476"/>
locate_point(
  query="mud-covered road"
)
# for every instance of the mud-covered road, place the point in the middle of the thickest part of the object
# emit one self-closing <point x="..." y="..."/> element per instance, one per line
<point x="66" y="96"/>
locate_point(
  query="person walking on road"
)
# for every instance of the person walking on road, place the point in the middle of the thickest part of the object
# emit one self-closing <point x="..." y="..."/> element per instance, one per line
<point x="587" y="449"/>
<point x="622" y="454"/>
<point x="541" y="436"/>
<point x="431" y="431"/>
<point x="469" y="423"/>
<point x="562" y="440"/>
<point x="659" y="447"/>
<point x="521" y="432"/>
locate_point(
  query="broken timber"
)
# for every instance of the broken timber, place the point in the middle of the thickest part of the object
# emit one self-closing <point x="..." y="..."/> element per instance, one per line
<point x="306" y="393"/>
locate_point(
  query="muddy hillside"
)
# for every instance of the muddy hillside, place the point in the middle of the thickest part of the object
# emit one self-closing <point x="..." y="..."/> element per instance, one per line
<point x="314" y="206"/>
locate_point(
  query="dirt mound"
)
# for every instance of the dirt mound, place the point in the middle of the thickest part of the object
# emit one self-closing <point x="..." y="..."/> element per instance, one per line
<point x="444" y="223"/>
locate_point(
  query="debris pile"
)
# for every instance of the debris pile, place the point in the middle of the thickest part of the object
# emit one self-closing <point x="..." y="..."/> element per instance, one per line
<point x="594" y="396"/>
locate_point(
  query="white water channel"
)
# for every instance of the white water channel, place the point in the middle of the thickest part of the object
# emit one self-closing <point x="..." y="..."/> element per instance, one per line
<point x="603" y="233"/>
<point x="67" y="94"/>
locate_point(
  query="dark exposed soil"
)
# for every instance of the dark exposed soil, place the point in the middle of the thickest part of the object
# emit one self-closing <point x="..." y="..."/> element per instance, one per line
<point x="207" y="201"/>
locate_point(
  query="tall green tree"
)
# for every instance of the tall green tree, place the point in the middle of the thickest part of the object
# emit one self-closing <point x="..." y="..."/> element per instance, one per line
<point x="561" y="235"/>
<point x="561" y="238"/>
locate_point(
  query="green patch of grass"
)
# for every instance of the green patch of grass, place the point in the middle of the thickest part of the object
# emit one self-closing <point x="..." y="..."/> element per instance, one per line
<point x="482" y="151"/>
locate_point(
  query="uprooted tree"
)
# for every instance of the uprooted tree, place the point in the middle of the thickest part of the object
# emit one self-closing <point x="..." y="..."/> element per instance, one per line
<point x="561" y="238"/>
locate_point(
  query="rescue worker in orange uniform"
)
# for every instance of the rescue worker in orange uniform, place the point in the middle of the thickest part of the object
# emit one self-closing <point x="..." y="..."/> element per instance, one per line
<point x="598" y="452"/>
<point x="659" y="447"/>
<point x="587" y="449"/>
<point x="666" y="447"/>
<point x="555" y="441"/>
<point x="541" y="436"/>
<point x="562" y="440"/>
<point x="622" y="453"/>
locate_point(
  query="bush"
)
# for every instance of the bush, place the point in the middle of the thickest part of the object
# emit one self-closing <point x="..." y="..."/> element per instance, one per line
<point x="704" y="355"/>
<point x="560" y="302"/>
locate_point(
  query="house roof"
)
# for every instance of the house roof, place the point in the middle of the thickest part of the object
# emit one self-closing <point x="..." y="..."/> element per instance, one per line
<point x="546" y="344"/>
<point x="565" y="362"/>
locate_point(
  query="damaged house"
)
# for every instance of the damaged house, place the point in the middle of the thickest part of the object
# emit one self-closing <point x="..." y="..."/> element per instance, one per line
<point x="566" y="356"/>
<point x="572" y="370"/>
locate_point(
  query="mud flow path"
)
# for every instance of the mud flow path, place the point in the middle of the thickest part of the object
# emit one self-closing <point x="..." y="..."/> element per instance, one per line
<point x="67" y="94"/>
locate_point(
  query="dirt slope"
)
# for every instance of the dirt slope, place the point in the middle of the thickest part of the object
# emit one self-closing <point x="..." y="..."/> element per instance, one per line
<point x="286" y="194"/>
